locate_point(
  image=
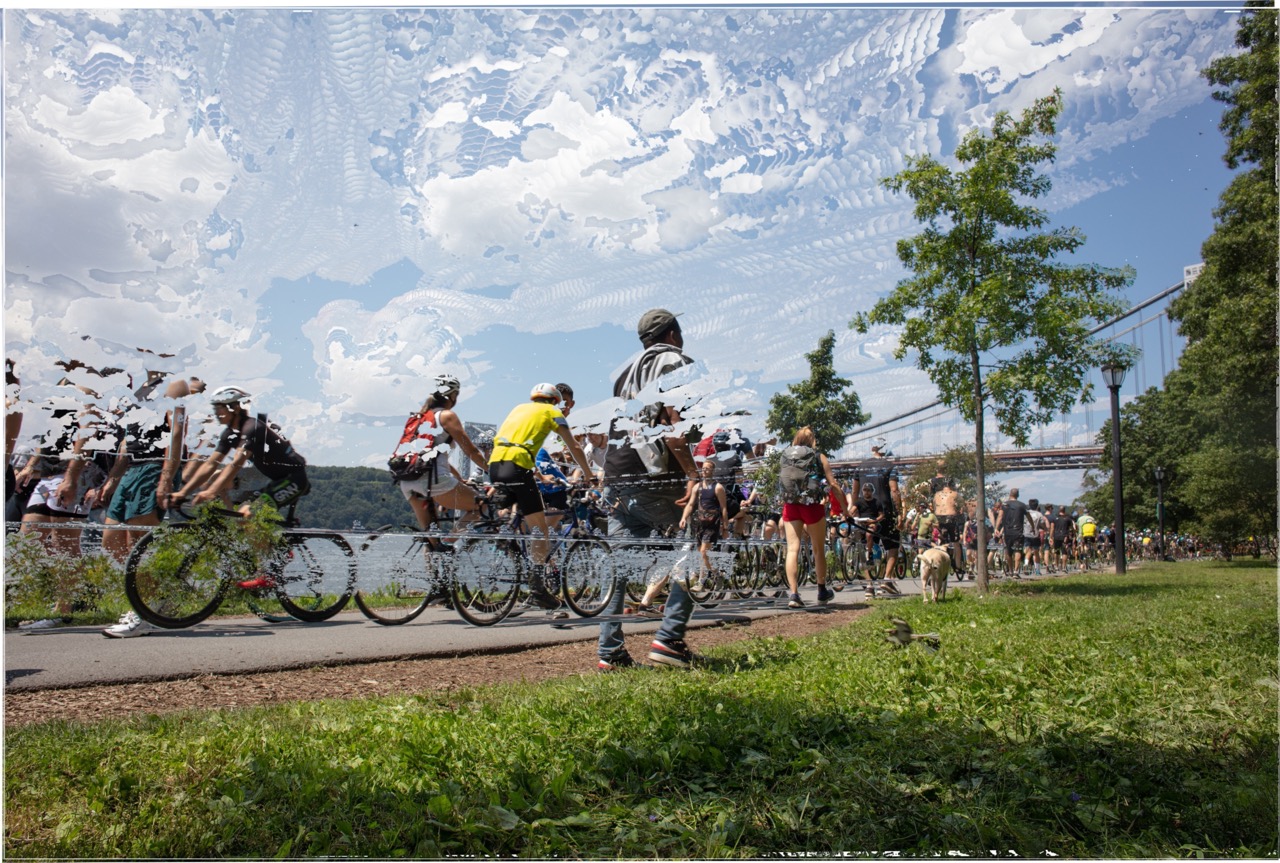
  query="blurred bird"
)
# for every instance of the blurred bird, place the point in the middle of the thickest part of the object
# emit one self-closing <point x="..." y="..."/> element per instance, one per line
<point x="900" y="635"/>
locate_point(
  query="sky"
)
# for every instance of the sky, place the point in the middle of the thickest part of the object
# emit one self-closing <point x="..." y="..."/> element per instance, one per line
<point x="328" y="207"/>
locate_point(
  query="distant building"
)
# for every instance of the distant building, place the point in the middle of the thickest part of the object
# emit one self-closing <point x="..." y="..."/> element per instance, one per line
<point x="1190" y="272"/>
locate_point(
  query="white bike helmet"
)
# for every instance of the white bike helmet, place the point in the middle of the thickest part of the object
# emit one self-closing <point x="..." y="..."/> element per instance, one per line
<point x="446" y="385"/>
<point x="550" y="392"/>
<point x="229" y="396"/>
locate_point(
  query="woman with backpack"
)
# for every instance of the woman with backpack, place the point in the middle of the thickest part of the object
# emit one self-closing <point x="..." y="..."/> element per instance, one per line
<point x="420" y="464"/>
<point x="803" y="478"/>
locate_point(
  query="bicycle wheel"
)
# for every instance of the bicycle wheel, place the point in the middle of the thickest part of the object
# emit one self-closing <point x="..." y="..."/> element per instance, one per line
<point x="587" y="578"/>
<point x="399" y="576"/>
<point x="804" y="565"/>
<point x="175" y="579"/>
<point x="773" y="569"/>
<point x="836" y="575"/>
<point x="742" y="578"/>
<point x="637" y="565"/>
<point x="317" y="575"/>
<point x="710" y="589"/>
<point x="487" y="575"/>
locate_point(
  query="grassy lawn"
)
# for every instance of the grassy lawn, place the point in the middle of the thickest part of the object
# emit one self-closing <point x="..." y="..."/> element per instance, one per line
<point x="1091" y="716"/>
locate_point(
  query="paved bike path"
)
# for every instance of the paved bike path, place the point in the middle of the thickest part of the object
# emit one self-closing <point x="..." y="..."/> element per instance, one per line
<point x="75" y="656"/>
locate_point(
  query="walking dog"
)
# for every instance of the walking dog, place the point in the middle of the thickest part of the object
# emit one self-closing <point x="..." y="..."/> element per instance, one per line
<point x="935" y="566"/>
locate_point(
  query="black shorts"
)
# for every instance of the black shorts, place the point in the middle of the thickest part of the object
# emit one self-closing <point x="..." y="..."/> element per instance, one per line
<point x="1031" y="542"/>
<point x="1013" y="544"/>
<point x="708" y="532"/>
<point x="514" y="485"/>
<point x="890" y="538"/>
<point x="950" y="526"/>
<point x="285" y="491"/>
<point x="558" y="499"/>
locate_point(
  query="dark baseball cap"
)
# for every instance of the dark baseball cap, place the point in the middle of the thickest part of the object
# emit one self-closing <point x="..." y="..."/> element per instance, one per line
<point x="655" y="322"/>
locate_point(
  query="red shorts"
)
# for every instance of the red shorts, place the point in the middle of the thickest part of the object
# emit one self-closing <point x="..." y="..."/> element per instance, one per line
<point x="809" y="513"/>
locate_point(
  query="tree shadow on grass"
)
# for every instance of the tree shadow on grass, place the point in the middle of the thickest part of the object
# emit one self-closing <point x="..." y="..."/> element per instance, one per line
<point x="1079" y="588"/>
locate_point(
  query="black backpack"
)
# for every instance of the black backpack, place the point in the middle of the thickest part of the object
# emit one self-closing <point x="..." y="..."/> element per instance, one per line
<point x="800" y="476"/>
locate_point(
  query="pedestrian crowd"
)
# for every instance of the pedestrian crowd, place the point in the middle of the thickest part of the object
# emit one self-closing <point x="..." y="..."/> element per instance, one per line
<point x="654" y="473"/>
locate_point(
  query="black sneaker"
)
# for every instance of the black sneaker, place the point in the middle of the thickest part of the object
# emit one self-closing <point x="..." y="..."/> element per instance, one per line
<point x="889" y="588"/>
<point x="674" y="653"/>
<point x="795" y="601"/>
<point x="621" y="659"/>
<point x="825" y="594"/>
<point x="542" y="599"/>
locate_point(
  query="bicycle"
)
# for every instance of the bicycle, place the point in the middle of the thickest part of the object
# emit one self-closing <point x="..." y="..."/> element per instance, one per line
<point x="179" y="575"/>
<point x="490" y="566"/>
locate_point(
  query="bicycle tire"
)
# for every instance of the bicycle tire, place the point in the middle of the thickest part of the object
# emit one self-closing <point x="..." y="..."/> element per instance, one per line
<point x="742" y="579"/>
<point x="587" y="577"/>
<point x="404" y="580"/>
<point x="487" y="576"/>
<point x="805" y="570"/>
<point x="773" y="572"/>
<point x="638" y="566"/>
<point x="175" y="587"/>
<point x="316" y="575"/>
<point x="709" y="589"/>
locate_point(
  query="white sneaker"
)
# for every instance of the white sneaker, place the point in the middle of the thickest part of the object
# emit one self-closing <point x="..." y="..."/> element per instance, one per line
<point x="47" y="623"/>
<point x="130" y="626"/>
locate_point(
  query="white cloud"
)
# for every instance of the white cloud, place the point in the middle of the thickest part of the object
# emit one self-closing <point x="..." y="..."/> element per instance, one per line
<point x="554" y="172"/>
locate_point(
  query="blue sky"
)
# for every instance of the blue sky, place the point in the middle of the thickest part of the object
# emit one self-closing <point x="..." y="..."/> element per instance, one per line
<point x="327" y="207"/>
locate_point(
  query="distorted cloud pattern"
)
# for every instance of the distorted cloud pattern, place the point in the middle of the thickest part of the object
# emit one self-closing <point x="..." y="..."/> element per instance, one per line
<point x="550" y="169"/>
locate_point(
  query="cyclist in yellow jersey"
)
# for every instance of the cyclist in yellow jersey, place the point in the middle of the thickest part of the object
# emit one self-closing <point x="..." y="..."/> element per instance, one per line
<point x="511" y="471"/>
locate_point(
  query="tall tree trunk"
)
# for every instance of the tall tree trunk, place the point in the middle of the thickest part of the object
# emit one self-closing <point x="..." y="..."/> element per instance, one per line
<point x="979" y="409"/>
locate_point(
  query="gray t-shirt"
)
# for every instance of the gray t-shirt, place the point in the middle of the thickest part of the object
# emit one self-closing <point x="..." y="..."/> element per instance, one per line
<point x="621" y="461"/>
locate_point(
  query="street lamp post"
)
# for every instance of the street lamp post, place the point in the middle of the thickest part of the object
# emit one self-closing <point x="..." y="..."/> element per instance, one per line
<point x="1160" y="508"/>
<point x="1113" y="377"/>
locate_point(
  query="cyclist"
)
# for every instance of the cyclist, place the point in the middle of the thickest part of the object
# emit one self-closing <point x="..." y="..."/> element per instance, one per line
<point x="432" y="431"/>
<point x="1087" y="534"/>
<point x="868" y="510"/>
<point x="881" y="474"/>
<point x="256" y="442"/>
<point x="511" y="470"/>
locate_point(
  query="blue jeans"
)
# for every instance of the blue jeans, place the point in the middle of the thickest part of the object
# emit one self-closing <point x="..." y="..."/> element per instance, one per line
<point x="640" y="513"/>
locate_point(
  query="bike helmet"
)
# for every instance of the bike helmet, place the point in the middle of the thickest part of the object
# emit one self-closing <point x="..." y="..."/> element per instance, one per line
<point x="446" y="385"/>
<point x="228" y="396"/>
<point x="546" y="391"/>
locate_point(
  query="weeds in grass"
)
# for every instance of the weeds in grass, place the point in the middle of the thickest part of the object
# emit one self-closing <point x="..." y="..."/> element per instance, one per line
<point x="1097" y="716"/>
<point x="37" y="581"/>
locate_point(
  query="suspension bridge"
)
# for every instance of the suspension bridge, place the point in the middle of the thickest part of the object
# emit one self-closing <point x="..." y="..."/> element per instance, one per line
<point x="922" y="433"/>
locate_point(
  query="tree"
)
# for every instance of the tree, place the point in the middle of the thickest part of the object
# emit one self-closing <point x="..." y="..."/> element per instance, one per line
<point x="1156" y="429"/>
<point x="958" y="463"/>
<point x="1229" y="313"/>
<point x="824" y="402"/>
<point x="992" y="313"/>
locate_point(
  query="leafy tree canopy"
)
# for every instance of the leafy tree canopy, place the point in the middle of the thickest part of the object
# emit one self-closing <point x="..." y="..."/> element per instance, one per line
<point x="993" y="311"/>
<point x="824" y="402"/>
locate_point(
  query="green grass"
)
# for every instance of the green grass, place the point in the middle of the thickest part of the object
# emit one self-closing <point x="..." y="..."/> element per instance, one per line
<point x="1094" y="716"/>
